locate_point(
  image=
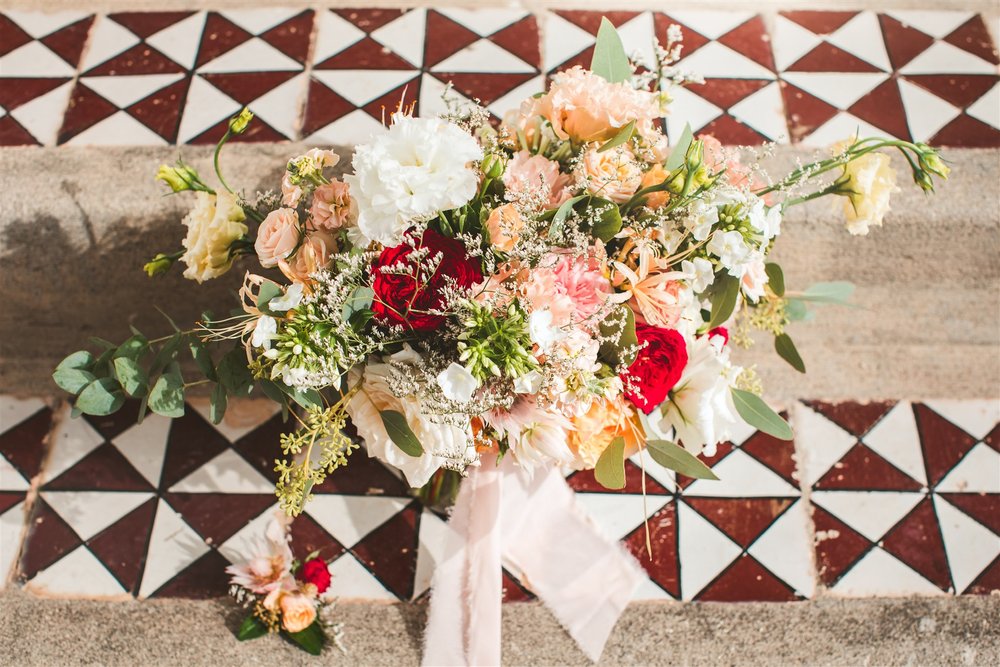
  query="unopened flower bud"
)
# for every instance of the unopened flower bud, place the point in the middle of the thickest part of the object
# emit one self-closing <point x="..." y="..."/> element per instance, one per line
<point x="492" y="166"/>
<point x="180" y="177"/>
<point x="924" y="180"/>
<point x="238" y="123"/>
<point x="931" y="161"/>
<point x="159" y="264"/>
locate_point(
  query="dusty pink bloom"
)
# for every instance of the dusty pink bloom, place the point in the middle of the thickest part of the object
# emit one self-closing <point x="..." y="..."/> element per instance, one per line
<point x="312" y="255"/>
<point x="656" y="295"/>
<point x="613" y="174"/>
<point x="527" y="173"/>
<point x="537" y="434"/>
<point x="332" y="206"/>
<point x="585" y="107"/>
<point x="290" y="193"/>
<point x="277" y="237"/>
<point x="573" y="289"/>
<point x="504" y="226"/>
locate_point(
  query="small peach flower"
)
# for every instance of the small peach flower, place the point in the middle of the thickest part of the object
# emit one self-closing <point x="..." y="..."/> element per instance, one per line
<point x="656" y="295"/>
<point x="594" y="430"/>
<point x="613" y="174"/>
<point x="312" y="256"/>
<point x="277" y="237"/>
<point x="655" y="176"/>
<point x="298" y="611"/>
<point x="527" y="174"/>
<point x="332" y="206"/>
<point x="504" y="226"/>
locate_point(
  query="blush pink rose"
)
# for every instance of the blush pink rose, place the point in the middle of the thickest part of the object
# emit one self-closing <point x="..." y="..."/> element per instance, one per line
<point x="527" y="174"/>
<point x="332" y="206"/>
<point x="312" y="256"/>
<point x="613" y="174"/>
<point x="277" y="237"/>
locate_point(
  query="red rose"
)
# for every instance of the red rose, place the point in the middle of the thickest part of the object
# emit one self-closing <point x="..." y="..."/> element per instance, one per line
<point x="657" y="367"/>
<point x="315" y="572"/>
<point x="403" y="299"/>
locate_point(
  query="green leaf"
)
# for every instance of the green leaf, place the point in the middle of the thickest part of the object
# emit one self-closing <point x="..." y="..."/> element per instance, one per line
<point x="785" y="348"/>
<point x="268" y="290"/>
<point x="82" y="360"/>
<point x="610" y="469"/>
<point x="674" y="457"/>
<point x="611" y="219"/>
<point x="132" y="348"/>
<point x="679" y="152"/>
<point x="72" y="380"/>
<point x="166" y="354"/>
<point x="400" y="433"/>
<point x="725" y="292"/>
<point x="360" y="299"/>
<point x="106" y="344"/>
<point x="167" y="396"/>
<point x="251" y="628"/>
<point x="797" y="310"/>
<point x="609" y="61"/>
<point x="273" y="391"/>
<point x="835" y="292"/>
<point x="623" y="135"/>
<point x="310" y="640"/>
<point x="306" y="398"/>
<point x="559" y="220"/>
<point x="203" y="358"/>
<point x="613" y="351"/>
<point x="132" y="378"/>
<point x="217" y="404"/>
<point x="775" y="278"/>
<point x="755" y="412"/>
<point x="100" y="397"/>
<point x="233" y="372"/>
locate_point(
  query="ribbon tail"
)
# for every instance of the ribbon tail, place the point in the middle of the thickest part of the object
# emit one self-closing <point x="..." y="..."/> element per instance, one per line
<point x="463" y="625"/>
<point x="582" y="577"/>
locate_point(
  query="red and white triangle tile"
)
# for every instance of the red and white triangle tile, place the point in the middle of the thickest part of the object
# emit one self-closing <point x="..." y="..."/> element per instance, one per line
<point x="904" y="495"/>
<point x="39" y="54"/>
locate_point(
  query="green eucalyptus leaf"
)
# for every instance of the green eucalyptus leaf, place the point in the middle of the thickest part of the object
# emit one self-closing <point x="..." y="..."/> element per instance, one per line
<point x="836" y="292"/>
<point x="251" y="628"/>
<point x="725" y="292"/>
<point x="610" y="61"/>
<point x="167" y="396"/>
<point x="361" y="299"/>
<point x="82" y="360"/>
<point x="756" y="413"/>
<point x="72" y="380"/>
<point x="233" y="372"/>
<point x="623" y="135"/>
<point x="400" y="433"/>
<point x="100" y="397"/>
<point x="310" y="640"/>
<point x="797" y="310"/>
<point x="268" y="290"/>
<point x="132" y="377"/>
<point x="613" y="351"/>
<point x="610" y="469"/>
<point x="785" y="348"/>
<point x="679" y="151"/>
<point x="306" y="398"/>
<point x="203" y="358"/>
<point x="217" y="404"/>
<point x="167" y="354"/>
<point x="611" y="219"/>
<point x="674" y="457"/>
<point x="559" y="220"/>
<point x="132" y="348"/>
<point x="775" y="278"/>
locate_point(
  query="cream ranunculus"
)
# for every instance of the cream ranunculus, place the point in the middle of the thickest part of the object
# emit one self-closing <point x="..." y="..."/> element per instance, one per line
<point x="420" y="167"/>
<point x="613" y="174"/>
<point x="375" y="396"/>
<point x="868" y="183"/>
<point x="214" y="223"/>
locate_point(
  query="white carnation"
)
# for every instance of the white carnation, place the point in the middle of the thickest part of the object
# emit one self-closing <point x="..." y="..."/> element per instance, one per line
<point x="410" y="173"/>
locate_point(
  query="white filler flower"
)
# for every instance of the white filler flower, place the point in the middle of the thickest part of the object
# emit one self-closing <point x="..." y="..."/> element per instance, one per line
<point x="410" y="173"/>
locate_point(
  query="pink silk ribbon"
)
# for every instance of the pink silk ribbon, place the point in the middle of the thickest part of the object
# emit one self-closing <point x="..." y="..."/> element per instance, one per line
<point x="531" y="523"/>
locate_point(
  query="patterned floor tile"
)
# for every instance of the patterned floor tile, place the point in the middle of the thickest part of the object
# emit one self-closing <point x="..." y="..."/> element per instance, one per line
<point x="39" y="54"/>
<point x="915" y="75"/>
<point x="904" y="495"/>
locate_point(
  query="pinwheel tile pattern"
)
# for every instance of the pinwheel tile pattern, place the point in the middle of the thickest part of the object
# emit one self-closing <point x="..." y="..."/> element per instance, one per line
<point x="333" y="76"/>
<point x="871" y="500"/>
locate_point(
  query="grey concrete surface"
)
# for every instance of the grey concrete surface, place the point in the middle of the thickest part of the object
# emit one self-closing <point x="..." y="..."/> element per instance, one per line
<point x="929" y="631"/>
<point x="72" y="244"/>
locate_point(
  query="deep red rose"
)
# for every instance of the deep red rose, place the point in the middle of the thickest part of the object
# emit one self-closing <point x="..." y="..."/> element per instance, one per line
<point x="402" y="299"/>
<point x="315" y="572"/>
<point x="720" y="331"/>
<point x="658" y="366"/>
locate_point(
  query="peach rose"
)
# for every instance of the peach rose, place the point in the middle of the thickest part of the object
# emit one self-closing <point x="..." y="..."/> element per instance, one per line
<point x="527" y="174"/>
<point x="298" y="611"/>
<point x="332" y="206"/>
<point x="603" y="422"/>
<point x="312" y="255"/>
<point x="277" y="237"/>
<point x="656" y="175"/>
<point x="504" y="226"/>
<point x="613" y="174"/>
<point x="585" y="107"/>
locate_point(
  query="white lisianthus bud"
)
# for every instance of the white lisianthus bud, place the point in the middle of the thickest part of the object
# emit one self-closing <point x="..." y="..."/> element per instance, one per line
<point x="290" y="299"/>
<point x="457" y="383"/>
<point x="264" y="331"/>
<point x="529" y="383"/>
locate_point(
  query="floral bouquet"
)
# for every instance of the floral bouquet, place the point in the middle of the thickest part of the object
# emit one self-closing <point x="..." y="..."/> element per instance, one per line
<point x="284" y="595"/>
<point x="561" y="291"/>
